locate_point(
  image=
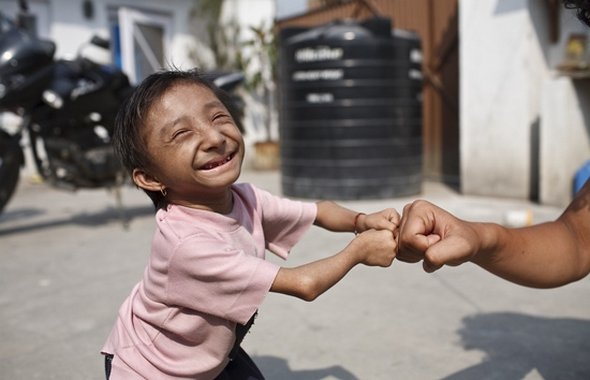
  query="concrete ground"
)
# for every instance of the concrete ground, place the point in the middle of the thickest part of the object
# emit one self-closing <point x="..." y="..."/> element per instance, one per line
<point x="66" y="264"/>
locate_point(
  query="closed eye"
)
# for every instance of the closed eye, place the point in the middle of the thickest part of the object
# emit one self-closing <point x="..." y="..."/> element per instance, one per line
<point x="221" y="117"/>
<point x="179" y="133"/>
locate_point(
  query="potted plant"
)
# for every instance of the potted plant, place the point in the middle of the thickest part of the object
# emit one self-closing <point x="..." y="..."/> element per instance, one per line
<point x="262" y="81"/>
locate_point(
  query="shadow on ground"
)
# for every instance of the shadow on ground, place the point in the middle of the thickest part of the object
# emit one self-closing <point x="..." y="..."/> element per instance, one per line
<point x="108" y="215"/>
<point x="516" y="345"/>
<point x="278" y="368"/>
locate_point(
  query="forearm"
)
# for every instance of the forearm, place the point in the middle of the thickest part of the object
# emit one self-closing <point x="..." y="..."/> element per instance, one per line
<point x="310" y="280"/>
<point x="334" y="217"/>
<point x="541" y="256"/>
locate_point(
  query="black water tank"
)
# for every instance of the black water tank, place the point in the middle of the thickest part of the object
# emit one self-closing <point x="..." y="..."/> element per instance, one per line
<point x="351" y="111"/>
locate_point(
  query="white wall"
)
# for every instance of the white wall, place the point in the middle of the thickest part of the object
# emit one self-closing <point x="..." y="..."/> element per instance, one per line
<point x="507" y="66"/>
<point x="565" y="122"/>
<point x="565" y="143"/>
<point x="495" y="116"/>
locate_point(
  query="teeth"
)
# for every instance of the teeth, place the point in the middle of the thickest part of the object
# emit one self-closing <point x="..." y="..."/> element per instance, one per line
<point x="216" y="164"/>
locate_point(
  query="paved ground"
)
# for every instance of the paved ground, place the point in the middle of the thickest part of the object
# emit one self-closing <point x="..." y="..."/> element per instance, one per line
<point x="66" y="263"/>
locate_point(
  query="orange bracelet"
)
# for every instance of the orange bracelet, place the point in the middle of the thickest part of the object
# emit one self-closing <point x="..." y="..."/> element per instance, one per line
<point x="356" y="218"/>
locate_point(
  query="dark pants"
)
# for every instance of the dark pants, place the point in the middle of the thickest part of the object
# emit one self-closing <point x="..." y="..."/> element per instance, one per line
<point x="107" y="365"/>
<point x="241" y="367"/>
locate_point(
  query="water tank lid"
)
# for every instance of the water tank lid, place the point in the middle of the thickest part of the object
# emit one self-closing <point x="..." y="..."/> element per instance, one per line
<point x="345" y="29"/>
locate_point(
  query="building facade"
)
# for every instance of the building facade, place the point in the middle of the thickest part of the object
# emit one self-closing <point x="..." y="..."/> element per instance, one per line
<point x="524" y="99"/>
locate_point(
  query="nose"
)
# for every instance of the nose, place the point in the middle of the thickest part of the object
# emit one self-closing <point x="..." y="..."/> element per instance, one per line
<point x="212" y="139"/>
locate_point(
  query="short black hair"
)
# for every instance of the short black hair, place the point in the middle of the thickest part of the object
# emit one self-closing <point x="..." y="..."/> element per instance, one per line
<point x="582" y="8"/>
<point x="128" y="142"/>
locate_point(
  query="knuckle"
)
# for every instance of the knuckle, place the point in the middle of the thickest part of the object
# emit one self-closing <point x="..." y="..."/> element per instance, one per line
<point x="434" y="260"/>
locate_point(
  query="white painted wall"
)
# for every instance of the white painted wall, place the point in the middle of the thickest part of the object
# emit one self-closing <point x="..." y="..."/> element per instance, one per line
<point x="507" y="67"/>
<point x="565" y="122"/>
<point x="565" y="129"/>
<point x="495" y="114"/>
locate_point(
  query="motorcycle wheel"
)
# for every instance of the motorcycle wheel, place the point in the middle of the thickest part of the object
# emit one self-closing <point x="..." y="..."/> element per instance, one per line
<point x="10" y="161"/>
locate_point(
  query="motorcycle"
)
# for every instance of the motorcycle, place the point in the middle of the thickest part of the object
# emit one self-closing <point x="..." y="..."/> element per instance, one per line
<point x="67" y="109"/>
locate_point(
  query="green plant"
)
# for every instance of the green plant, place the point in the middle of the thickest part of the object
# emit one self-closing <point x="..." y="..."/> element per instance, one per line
<point x="222" y="40"/>
<point x="263" y="53"/>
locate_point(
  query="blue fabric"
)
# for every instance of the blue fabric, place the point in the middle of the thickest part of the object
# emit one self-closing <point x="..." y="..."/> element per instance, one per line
<point x="581" y="177"/>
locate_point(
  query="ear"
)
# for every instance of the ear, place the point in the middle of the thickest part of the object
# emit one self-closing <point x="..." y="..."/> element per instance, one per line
<point x="146" y="181"/>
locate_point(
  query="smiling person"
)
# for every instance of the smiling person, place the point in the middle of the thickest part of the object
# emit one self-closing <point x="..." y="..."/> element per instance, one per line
<point x="206" y="275"/>
<point x="542" y="256"/>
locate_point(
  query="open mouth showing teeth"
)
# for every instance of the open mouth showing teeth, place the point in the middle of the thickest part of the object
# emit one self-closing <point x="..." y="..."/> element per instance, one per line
<point x="213" y="165"/>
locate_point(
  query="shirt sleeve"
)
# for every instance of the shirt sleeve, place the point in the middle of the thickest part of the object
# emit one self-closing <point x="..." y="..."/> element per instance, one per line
<point x="211" y="276"/>
<point x="284" y="221"/>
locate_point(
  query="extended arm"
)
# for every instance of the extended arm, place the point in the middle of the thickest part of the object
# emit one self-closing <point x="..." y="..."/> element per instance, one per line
<point x="308" y="281"/>
<point x="545" y="255"/>
<point x="541" y="256"/>
<point x="334" y="217"/>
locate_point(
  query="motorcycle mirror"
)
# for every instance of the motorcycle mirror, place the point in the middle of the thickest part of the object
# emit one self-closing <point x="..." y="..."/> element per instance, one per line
<point x="28" y="22"/>
<point x="228" y="81"/>
<point x="100" y="42"/>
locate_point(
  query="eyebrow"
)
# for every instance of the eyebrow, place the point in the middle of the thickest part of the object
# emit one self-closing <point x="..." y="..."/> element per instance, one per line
<point x="213" y="104"/>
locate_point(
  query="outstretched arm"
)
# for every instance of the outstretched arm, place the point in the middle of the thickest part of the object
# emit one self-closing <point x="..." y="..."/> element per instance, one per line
<point x="545" y="255"/>
<point x="335" y="217"/>
<point x="308" y="281"/>
<point x="541" y="256"/>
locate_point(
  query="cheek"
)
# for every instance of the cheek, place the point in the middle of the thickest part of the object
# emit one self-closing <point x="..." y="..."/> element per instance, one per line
<point x="163" y="160"/>
<point x="236" y="135"/>
<point x="240" y="140"/>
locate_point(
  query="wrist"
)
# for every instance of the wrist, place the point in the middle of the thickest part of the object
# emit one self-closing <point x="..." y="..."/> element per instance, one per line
<point x="354" y="251"/>
<point x="357" y="221"/>
<point x="489" y="242"/>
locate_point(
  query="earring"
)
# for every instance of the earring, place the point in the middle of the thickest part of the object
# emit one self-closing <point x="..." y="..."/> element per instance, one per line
<point x="163" y="191"/>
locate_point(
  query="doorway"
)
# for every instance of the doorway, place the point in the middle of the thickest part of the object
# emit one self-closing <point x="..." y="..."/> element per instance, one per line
<point x="140" y="41"/>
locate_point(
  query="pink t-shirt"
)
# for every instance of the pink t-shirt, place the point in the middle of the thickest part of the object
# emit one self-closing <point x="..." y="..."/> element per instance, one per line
<point x="206" y="273"/>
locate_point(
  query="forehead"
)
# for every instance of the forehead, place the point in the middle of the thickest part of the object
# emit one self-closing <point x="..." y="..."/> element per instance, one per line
<point x="178" y="100"/>
<point x="182" y="94"/>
